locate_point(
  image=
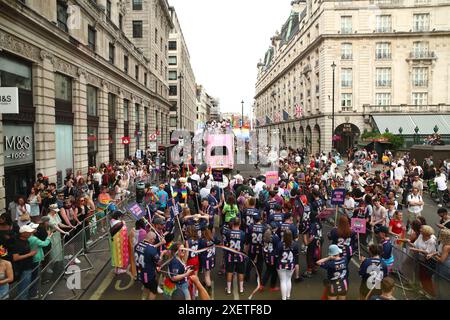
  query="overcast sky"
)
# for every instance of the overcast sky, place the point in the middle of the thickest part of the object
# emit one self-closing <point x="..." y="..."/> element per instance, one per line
<point x="226" y="39"/>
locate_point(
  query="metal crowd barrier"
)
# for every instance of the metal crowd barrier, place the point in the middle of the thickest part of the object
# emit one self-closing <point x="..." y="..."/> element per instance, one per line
<point x="59" y="261"/>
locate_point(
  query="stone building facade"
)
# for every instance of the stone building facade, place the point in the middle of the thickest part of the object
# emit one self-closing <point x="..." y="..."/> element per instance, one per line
<point x="391" y="57"/>
<point x="181" y="80"/>
<point x="83" y="86"/>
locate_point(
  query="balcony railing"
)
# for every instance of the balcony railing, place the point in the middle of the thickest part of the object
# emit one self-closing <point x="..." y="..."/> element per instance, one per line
<point x="346" y="57"/>
<point x="439" y="108"/>
<point x="384" y="83"/>
<point x="383" y="56"/>
<point x="422" y="55"/>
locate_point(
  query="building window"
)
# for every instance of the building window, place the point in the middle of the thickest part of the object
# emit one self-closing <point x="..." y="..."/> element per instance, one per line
<point x="173" y="122"/>
<point x="156" y="62"/>
<point x="161" y="69"/>
<point x="420" y="49"/>
<point x="145" y="79"/>
<point x="137" y="29"/>
<point x="383" y="50"/>
<point x="384" y="23"/>
<point x="92" y="36"/>
<point x="346" y="101"/>
<point x="14" y="73"/>
<point x="108" y="9"/>
<point x="173" y="90"/>
<point x="125" y="63"/>
<point x="137" y="4"/>
<point x="172" y="60"/>
<point x="63" y="87"/>
<point x="111" y="106"/>
<point x="136" y="113"/>
<point x="383" y="99"/>
<point x="62" y="15"/>
<point x="420" y="77"/>
<point x="420" y="98"/>
<point x="172" y="75"/>
<point x="136" y="72"/>
<point x="91" y="100"/>
<point x="346" y="24"/>
<point x="172" y="45"/>
<point x="421" y="22"/>
<point x="112" y="53"/>
<point x="120" y="21"/>
<point x="156" y="36"/>
<point x="346" y="51"/>
<point x="346" y="78"/>
<point x="145" y="114"/>
<point x="383" y="77"/>
<point x="125" y="109"/>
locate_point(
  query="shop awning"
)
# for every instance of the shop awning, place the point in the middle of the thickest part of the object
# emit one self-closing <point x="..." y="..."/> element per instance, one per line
<point x="426" y="123"/>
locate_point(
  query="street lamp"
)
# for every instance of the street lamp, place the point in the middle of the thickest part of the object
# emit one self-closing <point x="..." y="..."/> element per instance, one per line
<point x="416" y="130"/>
<point x="242" y="119"/>
<point x="333" y="66"/>
<point x="180" y="77"/>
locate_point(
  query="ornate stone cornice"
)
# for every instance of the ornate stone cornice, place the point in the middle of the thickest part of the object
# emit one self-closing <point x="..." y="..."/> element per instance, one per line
<point x="19" y="47"/>
<point x="94" y="80"/>
<point x="81" y="72"/>
<point x="65" y="67"/>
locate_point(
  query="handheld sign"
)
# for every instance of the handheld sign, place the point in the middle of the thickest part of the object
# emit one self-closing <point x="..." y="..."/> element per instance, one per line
<point x="194" y="186"/>
<point x="358" y="225"/>
<point x="271" y="177"/>
<point x="217" y="175"/>
<point x="338" y="196"/>
<point x="136" y="211"/>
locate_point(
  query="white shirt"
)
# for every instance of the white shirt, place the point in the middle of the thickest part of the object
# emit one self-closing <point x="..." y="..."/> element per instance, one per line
<point x="399" y="173"/>
<point x="429" y="245"/>
<point x="413" y="208"/>
<point x="98" y="177"/>
<point x="350" y="205"/>
<point x="195" y="177"/>
<point x="297" y="159"/>
<point x="441" y="182"/>
<point x="204" y="192"/>
<point x="258" y="187"/>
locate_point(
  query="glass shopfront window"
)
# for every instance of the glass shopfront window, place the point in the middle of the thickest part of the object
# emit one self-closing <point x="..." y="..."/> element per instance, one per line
<point x="91" y="100"/>
<point x="63" y="87"/>
<point x="14" y="73"/>
<point x="92" y="133"/>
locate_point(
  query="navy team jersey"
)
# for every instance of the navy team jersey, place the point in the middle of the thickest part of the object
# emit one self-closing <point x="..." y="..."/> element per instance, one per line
<point x="269" y="250"/>
<point x="249" y="217"/>
<point x="176" y="267"/>
<point x="175" y="210"/>
<point x="234" y="239"/>
<point x="372" y="272"/>
<point x="193" y="244"/>
<point x="277" y="218"/>
<point x="387" y="250"/>
<point x="336" y="269"/>
<point x="255" y="234"/>
<point x="305" y="219"/>
<point x="211" y="213"/>
<point x="286" y="256"/>
<point x="347" y="245"/>
<point x="270" y="209"/>
<point x="288" y="226"/>
<point x="208" y="257"/>
<point x="170" y="226"/>
<point x="146" y="257"/>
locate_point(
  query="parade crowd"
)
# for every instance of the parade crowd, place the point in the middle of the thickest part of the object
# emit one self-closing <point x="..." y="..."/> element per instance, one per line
<point x="263" y="230"/>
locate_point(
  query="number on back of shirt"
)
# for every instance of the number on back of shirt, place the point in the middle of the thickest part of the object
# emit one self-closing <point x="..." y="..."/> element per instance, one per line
<point x="139" y="260"/>
<point x="287" y="257"/>
<point x="235" y="244"/>
<point x="256" y="238"/>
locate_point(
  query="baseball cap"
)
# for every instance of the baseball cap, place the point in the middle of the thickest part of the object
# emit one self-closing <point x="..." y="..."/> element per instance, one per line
<point x="334" y="250"/>
<point x="54" y="207"/>
<point x="33" y="225"/>
<point x="26" y="228"/>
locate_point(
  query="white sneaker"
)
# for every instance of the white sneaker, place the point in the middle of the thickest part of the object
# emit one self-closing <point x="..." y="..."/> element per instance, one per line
<point x="89" y="242"/>
<point x="77" y="261"/>
<point x="439" y="205"/>
<point x="68" y="257"/>
<point x="160" y="291"/>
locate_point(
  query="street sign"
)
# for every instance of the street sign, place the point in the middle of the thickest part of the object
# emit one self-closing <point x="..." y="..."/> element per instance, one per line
<point x="125" y="140"/>
<point x="153" y="146"/>
<point x="338" y="196"/>
<point x="153" y="137"/>
<point x="136" y="211"/>
<point x="9" y="100"/>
